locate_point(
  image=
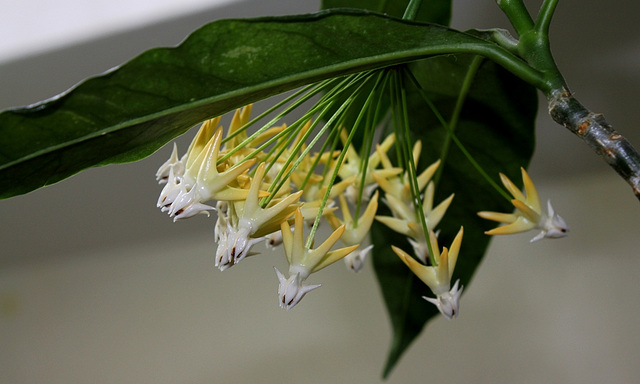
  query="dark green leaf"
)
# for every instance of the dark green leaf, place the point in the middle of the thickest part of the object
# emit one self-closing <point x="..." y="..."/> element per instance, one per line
<point x="130" y="112"/>
<point x="497" y="127"/>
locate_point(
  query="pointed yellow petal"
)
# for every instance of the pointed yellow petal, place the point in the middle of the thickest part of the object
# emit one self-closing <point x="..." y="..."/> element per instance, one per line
<point x="387" y="181"/>
<point x="515" y="191"/>
<point x="333" y="220"/>
<point x="287" y="239"/>
<point x="230" y="194"/>
<point x="344" y="208"/>
<point x="533" y="200"/>
<point x="266" y="135"/>
<point x="417" y="148"/>
<point x="278" y="212"/>
<point x="310" y="210"/>
<point x="274" y="224"/>
<point x="443" y="275"/>
<point x="424" y="273"/>
<point x="251" y="204"/>
<point x="200" y="140"/>
<point x="454" y="251"/>
<point x="298" y="249"/>
<point x="402" y="210"/>
<point x="435" y="248"/>
<point x="520" y="225"/>
<point x="384" y="159"/>
<point x="526" y="210"/>
<point x="397" y="225"/>
<point x="374" y="159"/>
<point x="328" y="243"/>
<point x="357" y="232"/>
<point x="427" y="174"/>
<point x="217" y="181"/>
<point x="334" y="256"/>
<point x="434" y="217"/>
<point x="370" y="213"/>
<point x="497" y="216"/>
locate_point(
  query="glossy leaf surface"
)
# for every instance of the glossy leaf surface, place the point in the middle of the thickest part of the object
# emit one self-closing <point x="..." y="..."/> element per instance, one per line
<point x="132" y="111"/>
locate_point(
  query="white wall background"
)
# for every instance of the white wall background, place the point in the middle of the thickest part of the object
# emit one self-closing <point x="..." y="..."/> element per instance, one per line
<point x="96" y="285"/>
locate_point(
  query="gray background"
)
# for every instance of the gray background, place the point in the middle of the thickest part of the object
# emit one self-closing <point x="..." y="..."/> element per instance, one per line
<point x="96" y="285"/>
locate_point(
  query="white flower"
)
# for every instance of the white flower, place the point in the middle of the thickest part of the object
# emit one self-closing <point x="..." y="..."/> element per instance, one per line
<point x="304" y="261"/>
<point x="528" y="214"/>
<point x="174" y="164"/>
<point x="355" y="260"/>
<point x="355" y="230"/>
<point x="291" y="290"/>
<point x="438" y="275"/>
<point x="247" y="222"/>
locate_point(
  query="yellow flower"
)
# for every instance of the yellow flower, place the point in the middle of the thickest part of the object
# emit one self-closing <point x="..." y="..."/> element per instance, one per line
<point x="355" y="232"/>
<point x="438" y="277"/>
<point x="304" y="261"/>
<point x="245" y="223"/>
<point x="528" y="214"/>
<point x="201" y="182"/>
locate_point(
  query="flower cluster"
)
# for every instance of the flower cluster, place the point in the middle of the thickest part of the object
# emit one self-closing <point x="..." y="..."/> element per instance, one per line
<point x="257" y="196"/>
<point x="269" y="186"/>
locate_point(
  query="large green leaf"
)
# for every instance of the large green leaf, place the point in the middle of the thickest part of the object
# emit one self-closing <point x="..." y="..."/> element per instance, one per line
<point x="497" y="127"/>
<point x="130" y="112"/>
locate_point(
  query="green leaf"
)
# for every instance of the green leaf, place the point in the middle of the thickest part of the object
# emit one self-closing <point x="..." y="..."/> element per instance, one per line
<point x="132" y="111"/>
<point x="431" y="11"/>
<point x="497" y="127"/>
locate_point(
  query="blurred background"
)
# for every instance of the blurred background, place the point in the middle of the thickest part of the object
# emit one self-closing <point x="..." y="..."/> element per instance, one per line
<point x="97" y="285"/>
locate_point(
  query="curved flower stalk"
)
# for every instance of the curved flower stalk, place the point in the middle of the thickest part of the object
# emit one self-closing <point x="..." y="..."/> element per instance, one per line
<point x="438" y="276"/>
<point x="528" y="214"/>
<point x="353" y="167"/>
<point x="304" y="261"/>
<point x="356" y="231"/>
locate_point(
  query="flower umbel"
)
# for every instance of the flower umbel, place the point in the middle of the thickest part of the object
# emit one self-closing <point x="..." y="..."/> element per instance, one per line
<point x="528" y="214"/>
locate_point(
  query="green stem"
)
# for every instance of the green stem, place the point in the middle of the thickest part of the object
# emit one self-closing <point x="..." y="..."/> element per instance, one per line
<point x="412" y="10"/>
<point x="370" y="130"/>
<point x="544" y="16"/>
<point x="517" y="14"/>
<point x="457" y="110"/>
<point x="457" y="141"/>
<point x="336" y="117"/>
<point x="403" y="133"/>
<point x="534" y="48"/>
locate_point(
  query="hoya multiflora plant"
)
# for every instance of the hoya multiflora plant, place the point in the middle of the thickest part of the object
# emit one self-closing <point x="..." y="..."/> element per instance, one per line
<point x="412" y="152"/>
